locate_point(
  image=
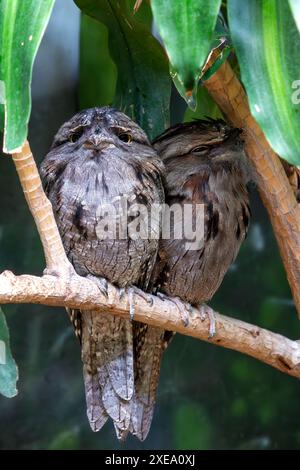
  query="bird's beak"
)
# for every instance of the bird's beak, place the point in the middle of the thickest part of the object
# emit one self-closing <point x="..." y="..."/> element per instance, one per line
<point x="99" y="144"/>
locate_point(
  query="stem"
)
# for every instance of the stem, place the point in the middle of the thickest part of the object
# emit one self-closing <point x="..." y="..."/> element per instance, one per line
<point x="41" y="209"/>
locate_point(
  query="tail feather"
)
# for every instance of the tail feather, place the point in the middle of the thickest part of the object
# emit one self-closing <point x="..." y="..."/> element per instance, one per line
<point x="118" y="385"/>
<point x="149" y="346"/>
<point x="117" y="349"/>
<point x="141" y="419"/>
<point x="107" y="355"/>
<point x="96" y="412"/>
<point x="121" y="433"/>
<point x="118" y="409"/>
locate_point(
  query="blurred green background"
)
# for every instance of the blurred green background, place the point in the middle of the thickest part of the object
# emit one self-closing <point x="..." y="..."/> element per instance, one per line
<point x="208" y="397"/>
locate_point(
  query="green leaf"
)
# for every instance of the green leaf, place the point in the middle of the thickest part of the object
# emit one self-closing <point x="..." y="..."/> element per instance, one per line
<point x="98" y="73"/>
<point x="187" y="29"/>
<point x="295" y="7"/>
<point x="143" y="84"/>
<point x="8" y="367"/>
<point x="144" y="13"/>
<point x="267" y="44"/>
<point x="21" y="29"/>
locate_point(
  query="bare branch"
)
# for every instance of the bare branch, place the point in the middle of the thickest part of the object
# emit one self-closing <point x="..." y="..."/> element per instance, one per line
<point x="271" y="348"/>
<point x="275" y="190"/>
<point x="41" y="209"/>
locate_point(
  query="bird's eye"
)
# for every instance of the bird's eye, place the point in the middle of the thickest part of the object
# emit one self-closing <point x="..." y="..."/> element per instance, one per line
<point x="203" y="148"/>
<point x="127" y="138"/>
<point x="75" y="136"/>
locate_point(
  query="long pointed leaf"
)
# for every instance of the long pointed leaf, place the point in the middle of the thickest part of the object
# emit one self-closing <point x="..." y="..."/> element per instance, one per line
<point x="187" y="28"/>
<point x="267" y="43"/>
<point x="143" y="84"/>
<point x="21" y="29"/>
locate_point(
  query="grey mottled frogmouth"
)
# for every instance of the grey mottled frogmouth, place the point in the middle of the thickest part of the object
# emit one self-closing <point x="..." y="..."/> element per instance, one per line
<point x="97" y="157"/>
<point x="204" y="164"/>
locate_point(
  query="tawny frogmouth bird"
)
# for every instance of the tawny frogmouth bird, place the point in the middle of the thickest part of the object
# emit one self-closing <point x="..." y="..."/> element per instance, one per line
<point x="97" y="157"/>
<point x="204" y="164"/>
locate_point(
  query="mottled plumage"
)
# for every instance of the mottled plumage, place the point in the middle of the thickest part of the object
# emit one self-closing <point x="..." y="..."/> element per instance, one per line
<point x="204" y="165"/>
<point x="96" y="157"/>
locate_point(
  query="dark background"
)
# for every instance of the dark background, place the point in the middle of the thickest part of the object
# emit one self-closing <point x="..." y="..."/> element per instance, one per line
<point x="209" y="397"/>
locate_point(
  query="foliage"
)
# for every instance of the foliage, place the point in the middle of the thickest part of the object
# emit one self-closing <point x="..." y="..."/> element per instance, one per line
<point x="98" y="73"/>
<point x="186" y="28"/>
<point x="209" y="397"/>
<point x="267" y="44"/>
<point x="8" y="368"/>
<point x="123" y="64"/>
<point x="21" y="28"/>
<point x="143" y="84"/>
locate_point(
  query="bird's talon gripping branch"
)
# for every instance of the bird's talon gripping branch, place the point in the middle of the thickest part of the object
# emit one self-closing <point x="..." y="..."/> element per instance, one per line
<point x="132" y="292"/>
<point x="121" y="293"/>
<point x="184" y="309"/>
<point x="147" y="297"/>
<point x="207" y="312"/>
<point x="101" y="283"/>
<point x="161" y="296"/>
<point x="185" y="313"/>
<point x="131" y="295"/>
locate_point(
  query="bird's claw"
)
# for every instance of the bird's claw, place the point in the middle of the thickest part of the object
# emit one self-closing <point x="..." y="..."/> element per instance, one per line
<point x="101" y="283"/>
<point x="207" y="312"/>
<point x="131" y="299"/>
<point x="122" y="292"/>
<point x="147" y="297"/>
<point x="184" y="308"/>
<point x="132" y="293"/>
<point x="185" y="312"/>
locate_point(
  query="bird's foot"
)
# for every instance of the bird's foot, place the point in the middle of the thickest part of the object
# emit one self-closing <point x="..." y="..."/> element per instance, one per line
<point x="147" y="297"/>
<point x="101" y="283"/>
<point x="131" y="298"/>
<point x="184" y="308"/>
<point x="122" y="293"/>
<point x="132" y="293"/>
<point x="207" y="312"/>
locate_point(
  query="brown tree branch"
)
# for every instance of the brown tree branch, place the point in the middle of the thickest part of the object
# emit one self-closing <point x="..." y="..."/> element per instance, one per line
<point x="273" y="184"/>
<point x="41" y="209"/>
<point x="270" y="348"/>
<point x="293" y="174"/>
